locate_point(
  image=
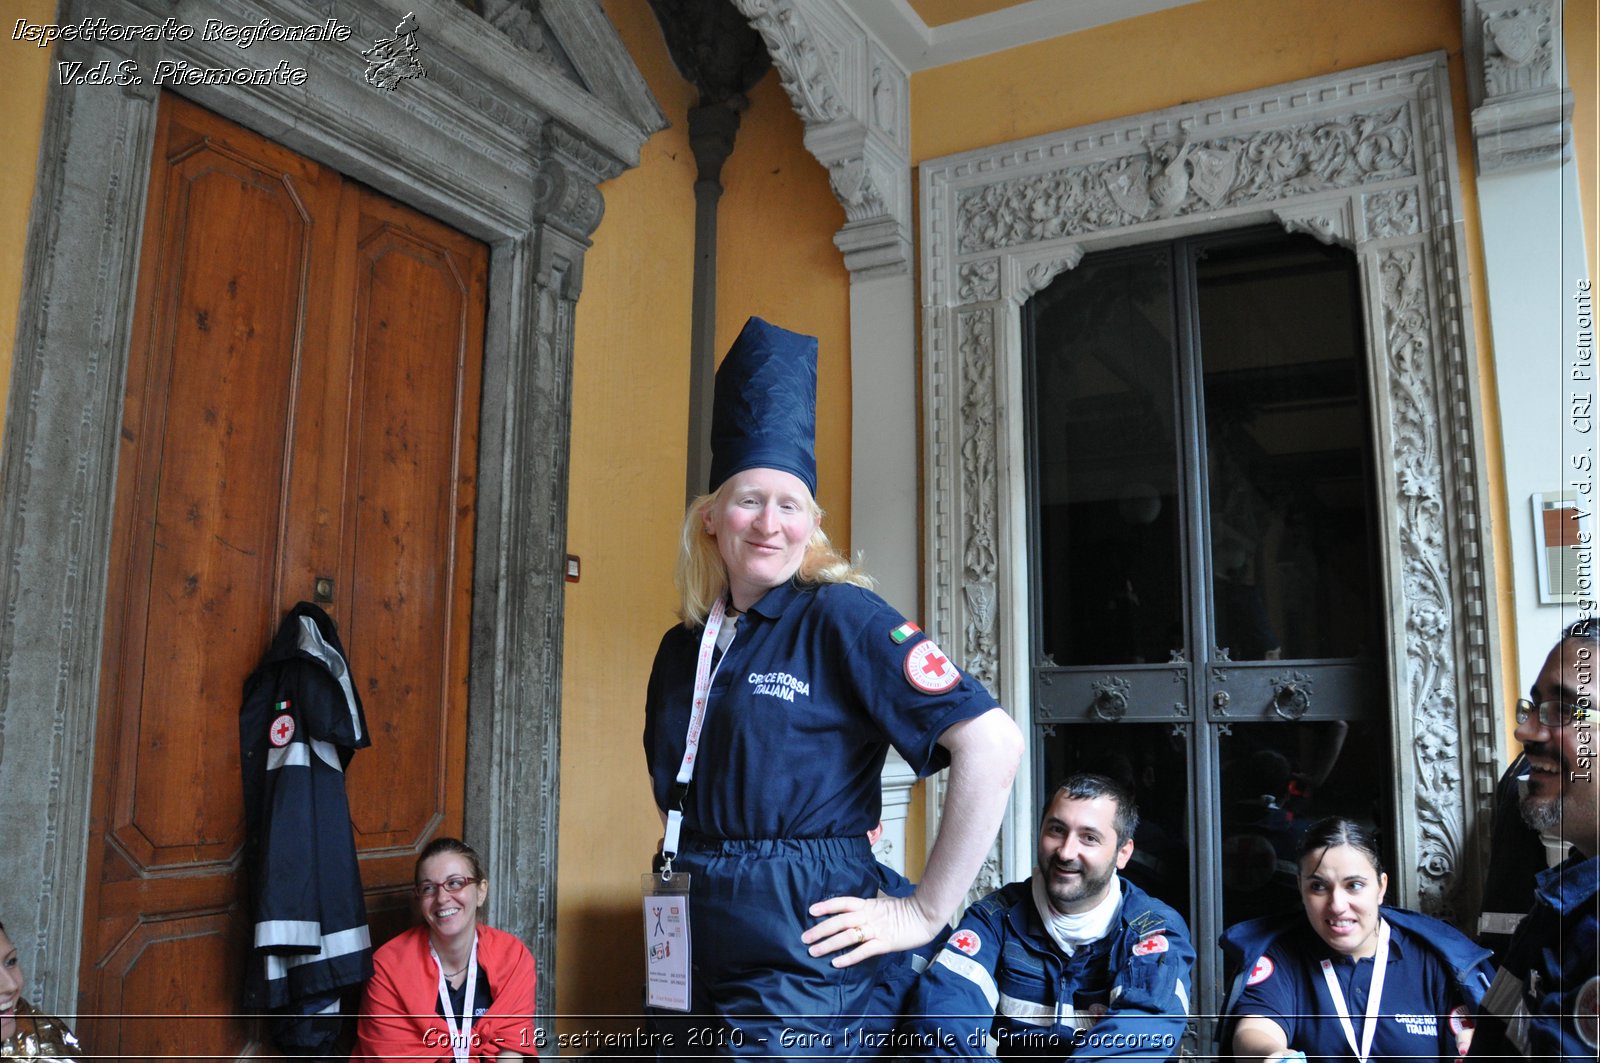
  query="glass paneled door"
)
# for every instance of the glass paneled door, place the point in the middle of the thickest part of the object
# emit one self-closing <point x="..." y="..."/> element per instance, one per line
<point x="1207" y="620"/>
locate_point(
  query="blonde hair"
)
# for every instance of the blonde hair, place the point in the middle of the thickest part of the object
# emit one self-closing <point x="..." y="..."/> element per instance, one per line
<point x="702" y="577"/>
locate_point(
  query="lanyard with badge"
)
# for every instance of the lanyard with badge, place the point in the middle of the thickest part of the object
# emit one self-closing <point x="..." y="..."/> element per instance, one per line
<point x="1374" y="994"/>
<point x="460" y="1038"/>
<point x="666" y="894"/>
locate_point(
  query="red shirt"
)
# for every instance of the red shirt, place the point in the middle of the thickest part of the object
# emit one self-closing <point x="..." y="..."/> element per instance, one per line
<point x="399" y="1018"/>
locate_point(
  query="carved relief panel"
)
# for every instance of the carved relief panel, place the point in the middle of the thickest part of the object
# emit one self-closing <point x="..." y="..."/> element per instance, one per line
<point x="1365" y="159"/>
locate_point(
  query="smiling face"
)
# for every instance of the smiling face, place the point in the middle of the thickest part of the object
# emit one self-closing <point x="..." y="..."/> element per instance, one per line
<point x="1078" y="851"/>
<point x="10" y="986"/>
<point x="1562" y="795"/>
<point x="762" y="520"/>
<point x="1342" y="890"/>
<point x="450" y="916"/>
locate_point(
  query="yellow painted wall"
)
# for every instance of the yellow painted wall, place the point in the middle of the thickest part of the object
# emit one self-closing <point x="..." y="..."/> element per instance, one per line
<point x="1214" y="48"/>
<point x="630" y="394"/>
<point x="776" y="259"/>
<point x="24" y="73"/>
<point x="1580" y="22"/>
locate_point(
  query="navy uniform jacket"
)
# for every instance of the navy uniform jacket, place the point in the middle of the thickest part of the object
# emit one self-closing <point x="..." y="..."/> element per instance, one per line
<point x="1516" y="856"/>
<point x="1434" y="980"/>
<point x="1000" y="972"/>
<point x="1543" y="1002"/>
<point x="804" y="704"/>
<point x="299" y="726"/>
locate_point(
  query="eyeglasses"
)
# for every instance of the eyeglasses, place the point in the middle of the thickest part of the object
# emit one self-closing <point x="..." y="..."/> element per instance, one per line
<point x="453" y="884"/>
<point x="1552" y="714"/>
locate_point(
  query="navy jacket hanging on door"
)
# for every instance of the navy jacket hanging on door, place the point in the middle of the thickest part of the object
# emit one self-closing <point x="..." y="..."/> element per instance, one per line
<point x="300" y="724"/>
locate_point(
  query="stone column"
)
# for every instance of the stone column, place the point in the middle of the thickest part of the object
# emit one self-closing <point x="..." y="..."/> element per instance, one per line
<point x="712" y="127"/>
<point x="513" y="776"/>
<point x="56" y="502"/>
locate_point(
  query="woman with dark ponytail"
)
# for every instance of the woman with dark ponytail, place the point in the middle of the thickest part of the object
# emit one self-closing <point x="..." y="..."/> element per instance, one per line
<point x="1349" y="978"/>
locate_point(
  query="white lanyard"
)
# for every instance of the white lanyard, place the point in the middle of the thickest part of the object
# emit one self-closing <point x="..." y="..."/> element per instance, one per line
<point x="460" y="1039"/>
<point x="697" y="718"/>
<point x="1374" y="994"/>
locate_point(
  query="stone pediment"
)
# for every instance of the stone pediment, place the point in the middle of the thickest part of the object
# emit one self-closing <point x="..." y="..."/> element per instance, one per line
<point x="560" y="59"/>
<point x="576" y="38"/>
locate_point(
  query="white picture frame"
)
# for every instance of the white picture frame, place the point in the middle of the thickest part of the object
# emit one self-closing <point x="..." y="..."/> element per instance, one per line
<point x="1563" y="543"/>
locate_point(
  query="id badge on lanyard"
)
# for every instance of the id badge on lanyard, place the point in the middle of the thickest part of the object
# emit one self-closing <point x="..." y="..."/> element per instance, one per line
<point x="1380" y="962"/>
<point x="666" y="940"/>
<point x="666" y="895"/>
<point x="460" y="1036"/>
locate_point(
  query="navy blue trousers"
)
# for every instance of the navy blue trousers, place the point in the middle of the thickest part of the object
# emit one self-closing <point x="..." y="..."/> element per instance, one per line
<point x="755" y="991"/>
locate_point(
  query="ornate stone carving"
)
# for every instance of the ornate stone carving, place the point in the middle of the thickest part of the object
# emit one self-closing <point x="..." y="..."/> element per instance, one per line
<point x="564" y="188"/>
<point x="980" y="281"/>
<point x="1331" y="226"/>
<point x="1394" y="212"/>
<point x="520" y="20"/>
<point x="1426" y="569"/>
<point x="1523" y="113"/>
<point x="980" y="496"/>
<point x="804" y="71"/>
<point x="485" y="101"/>
<point x="886" y="84"/>
<point x="1034" y="276"/>
<point x="1517" y="53"/>
<point x="853" y="108"/>
<point x="1364" y="159"/>
<point x="858" y="188"/>
<point x="1341" y="152"/>
<point x="1328" y="223"/>
<point x="1480" y="711"/>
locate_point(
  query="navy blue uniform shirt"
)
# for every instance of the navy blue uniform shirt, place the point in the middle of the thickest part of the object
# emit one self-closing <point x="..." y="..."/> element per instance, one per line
<point x="1545" y="1001"/>
<point x="1415" y="1020"/>
<point x="804" y="704"/>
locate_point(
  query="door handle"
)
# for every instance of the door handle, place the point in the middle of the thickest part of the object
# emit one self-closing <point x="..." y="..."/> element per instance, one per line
<point x="1291" y="695"/>
<point x="1110" y="698"/>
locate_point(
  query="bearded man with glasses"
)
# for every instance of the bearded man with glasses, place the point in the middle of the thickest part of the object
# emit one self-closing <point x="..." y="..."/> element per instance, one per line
<point x="1545" y="1001"/>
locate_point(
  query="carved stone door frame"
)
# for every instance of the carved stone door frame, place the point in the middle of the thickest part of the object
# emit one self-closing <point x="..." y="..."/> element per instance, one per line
<point x="499" y="141"/>
<point x="1366" y="159"/>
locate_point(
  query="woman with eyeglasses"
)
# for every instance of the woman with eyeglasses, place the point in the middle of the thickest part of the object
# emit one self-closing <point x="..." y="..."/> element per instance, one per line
<point x="452" y="988"/>
<point x="1349" y="978"/>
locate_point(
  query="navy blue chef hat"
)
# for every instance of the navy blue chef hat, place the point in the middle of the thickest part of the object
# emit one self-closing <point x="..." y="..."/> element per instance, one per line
<point x="765" y="416"/>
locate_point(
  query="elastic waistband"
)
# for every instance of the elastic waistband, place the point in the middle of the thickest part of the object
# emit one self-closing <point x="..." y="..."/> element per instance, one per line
<point x="856" y="847"/>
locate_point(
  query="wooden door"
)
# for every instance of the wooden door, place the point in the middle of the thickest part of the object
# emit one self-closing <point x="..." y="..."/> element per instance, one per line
<point x="302" y="403"/>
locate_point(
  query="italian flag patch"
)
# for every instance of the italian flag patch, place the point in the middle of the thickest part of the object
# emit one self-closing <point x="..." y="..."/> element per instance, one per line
<point x="903" y="632"/>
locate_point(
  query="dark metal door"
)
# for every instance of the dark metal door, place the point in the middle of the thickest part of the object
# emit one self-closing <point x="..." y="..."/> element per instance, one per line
<point x="1206" y="616"/>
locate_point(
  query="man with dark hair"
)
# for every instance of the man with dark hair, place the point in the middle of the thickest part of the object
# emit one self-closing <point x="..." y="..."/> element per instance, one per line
<point x="1545" y="1002"/>
<point x="1072" y="962"/>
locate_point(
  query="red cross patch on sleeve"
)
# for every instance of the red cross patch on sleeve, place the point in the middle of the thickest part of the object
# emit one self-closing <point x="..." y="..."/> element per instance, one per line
<point x="1260" y="972"/>
<point x="930" y="671"/>
<point x="281" y="733"/>
<point x="1151" y="945"/>
<point x="966" y="941"/>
